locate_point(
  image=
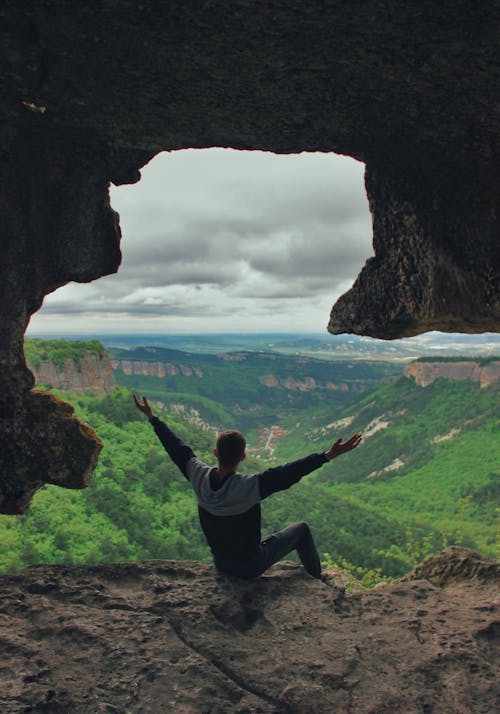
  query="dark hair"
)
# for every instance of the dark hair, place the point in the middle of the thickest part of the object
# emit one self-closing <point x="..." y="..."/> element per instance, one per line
<point x="230" y="446"/>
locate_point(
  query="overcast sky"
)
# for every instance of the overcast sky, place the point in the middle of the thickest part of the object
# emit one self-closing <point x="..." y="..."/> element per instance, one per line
<point x="226" y="241"/>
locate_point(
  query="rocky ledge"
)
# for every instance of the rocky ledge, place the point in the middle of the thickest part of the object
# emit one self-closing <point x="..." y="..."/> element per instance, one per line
<point x="165" y="636"/>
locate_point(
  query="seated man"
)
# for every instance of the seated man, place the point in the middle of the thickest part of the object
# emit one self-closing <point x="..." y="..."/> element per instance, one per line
<point x="229" y="502"/>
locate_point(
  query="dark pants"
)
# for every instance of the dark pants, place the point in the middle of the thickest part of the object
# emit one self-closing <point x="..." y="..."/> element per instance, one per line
<point x="295" y="537"/>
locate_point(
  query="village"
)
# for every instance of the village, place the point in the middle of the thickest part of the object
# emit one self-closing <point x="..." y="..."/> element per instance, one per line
<point x="267" y="441"/>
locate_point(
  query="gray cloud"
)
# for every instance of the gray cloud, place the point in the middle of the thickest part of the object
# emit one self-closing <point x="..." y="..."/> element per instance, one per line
<point x="216" y="233"/>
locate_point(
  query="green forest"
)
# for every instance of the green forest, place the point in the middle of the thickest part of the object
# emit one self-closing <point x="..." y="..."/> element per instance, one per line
<point x="58" y="351"/>
<point x="426" y="476"/>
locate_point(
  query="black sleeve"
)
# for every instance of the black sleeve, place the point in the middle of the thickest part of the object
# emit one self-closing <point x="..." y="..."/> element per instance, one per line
<point x="281" y="477"/>
<point x="178" y="451"/>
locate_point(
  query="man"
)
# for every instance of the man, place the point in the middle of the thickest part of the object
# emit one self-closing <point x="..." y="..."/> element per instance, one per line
<point x="229" y="502"/>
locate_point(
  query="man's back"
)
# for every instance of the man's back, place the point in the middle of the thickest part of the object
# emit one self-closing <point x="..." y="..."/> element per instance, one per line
<point x="229" y="508"/>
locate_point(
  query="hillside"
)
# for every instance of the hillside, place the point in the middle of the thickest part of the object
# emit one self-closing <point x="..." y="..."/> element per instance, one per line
<point x="430" y="456"/>
<point x="401" y="422"/>
<point x="164" y="636"/>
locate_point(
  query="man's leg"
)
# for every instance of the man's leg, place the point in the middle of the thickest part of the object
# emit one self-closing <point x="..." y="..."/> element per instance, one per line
<point x="295" y="537"/>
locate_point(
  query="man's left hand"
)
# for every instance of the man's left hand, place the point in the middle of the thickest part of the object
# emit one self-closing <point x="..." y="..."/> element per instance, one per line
<point x="341" y="448"/>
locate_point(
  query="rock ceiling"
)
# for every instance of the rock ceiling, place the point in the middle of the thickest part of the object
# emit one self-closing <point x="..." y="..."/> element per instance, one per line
<point x="91" y="92"/>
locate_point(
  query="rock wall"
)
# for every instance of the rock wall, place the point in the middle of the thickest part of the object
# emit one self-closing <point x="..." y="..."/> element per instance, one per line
<point x="308" y="384"/>
<point x="91" y="92"/>
<point x="155" y="369"/>
<point x="90" y="373"/>
<point x="424" y="373"/>
<point x="166" y="636"/>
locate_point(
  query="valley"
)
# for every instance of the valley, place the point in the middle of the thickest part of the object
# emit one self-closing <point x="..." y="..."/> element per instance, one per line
<point x="425" y="476"/>
<point x="250" y="390"/>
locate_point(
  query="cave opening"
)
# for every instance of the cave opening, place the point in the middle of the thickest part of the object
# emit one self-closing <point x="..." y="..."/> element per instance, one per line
<point x="219" y="240"/>
<point x="91" y="90"/>
<point x="214" y="241"/>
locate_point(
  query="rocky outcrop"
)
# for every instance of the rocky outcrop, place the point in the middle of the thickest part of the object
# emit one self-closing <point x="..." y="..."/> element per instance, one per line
<point x="155" y="369"/>
<point x="453" y="566"/>
<point x="425" y="373"/>
<point x="426" y="274"/>
<point x="337" y="387"/>
<point x="92" y="91"/>
<point x="307" y="384"/>
<point x="269" y="380"/>
<point x="89" y="373"/>
<point x="47" y="445"/>
<point x="177" y="636"/>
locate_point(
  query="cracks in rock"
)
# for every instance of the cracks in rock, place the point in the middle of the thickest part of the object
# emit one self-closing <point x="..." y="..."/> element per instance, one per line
<point x="244" y="618"/>
<point x="214" y="661"/>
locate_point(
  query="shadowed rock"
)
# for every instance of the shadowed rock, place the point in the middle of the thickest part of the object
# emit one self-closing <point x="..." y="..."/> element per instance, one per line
<point x="44" y="443"/>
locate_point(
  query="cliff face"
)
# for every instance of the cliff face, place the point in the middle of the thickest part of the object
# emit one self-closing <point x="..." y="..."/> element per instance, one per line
<point x="424" y="373"/>
<point x="308" y="384"/>
<point x="155" y="369"/>
<point x="163" y="369"/>
<point x="90" y="373"/>
<point x="94" y="91"/>
<point x="177" y="636"/>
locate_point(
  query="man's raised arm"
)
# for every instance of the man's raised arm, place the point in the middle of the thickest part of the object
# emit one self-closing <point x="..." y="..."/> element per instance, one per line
<point x="178" y="451"/>
<point x="280" y="478"/>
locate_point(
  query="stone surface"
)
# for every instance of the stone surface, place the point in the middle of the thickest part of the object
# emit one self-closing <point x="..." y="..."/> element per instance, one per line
<point x="92" y="91"/>
<point x="165" y="636"/>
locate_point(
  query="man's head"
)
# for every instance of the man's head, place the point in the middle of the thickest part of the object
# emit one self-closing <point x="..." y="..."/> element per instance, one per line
<point x="230" y="448"/>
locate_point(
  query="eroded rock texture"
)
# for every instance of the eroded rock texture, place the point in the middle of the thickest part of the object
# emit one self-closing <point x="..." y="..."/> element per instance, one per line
<point x="91" y="91"/>
<point x="176" y="636"/>
<point x="57" y="226"/>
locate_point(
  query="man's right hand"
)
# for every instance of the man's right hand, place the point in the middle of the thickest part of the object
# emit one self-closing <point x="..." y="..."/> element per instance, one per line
<point x="143" y="407"/>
